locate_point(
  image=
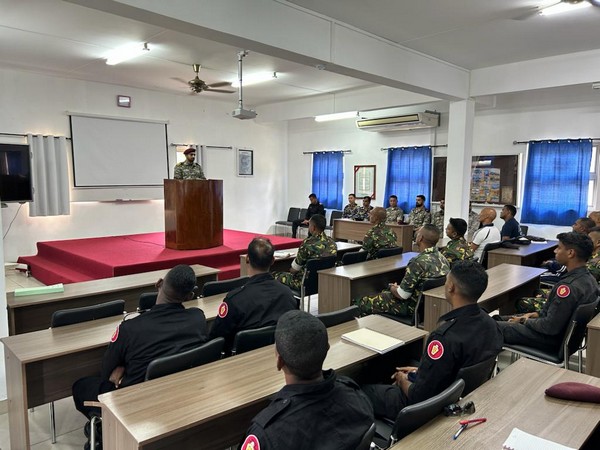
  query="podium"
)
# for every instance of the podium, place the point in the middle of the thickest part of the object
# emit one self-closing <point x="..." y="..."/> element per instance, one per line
<point x="193" y="214"/>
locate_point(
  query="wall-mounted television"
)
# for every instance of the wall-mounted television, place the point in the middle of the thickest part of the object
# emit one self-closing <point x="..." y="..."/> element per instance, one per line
<point x="15" y="173"/>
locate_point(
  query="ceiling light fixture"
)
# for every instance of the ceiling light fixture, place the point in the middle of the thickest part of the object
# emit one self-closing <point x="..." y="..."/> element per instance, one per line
<point x="563" y="7"/>
<point x="126" y="53"/>
<point x="336" y="116"/>
<point x="256" y="78"/>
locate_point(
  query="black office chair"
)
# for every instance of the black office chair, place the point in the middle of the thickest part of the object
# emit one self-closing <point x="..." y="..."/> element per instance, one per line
<point x="147" y="300"/>
<point x="385" y="252"/>
<point x="336" y="317"/>
<point x="247" y="340"/>
<point x="524" y="230"/>
<point x="486" y="249"/>
<point x="354" y="257"/>
<point x="220" y="287"/>
<point x="204" y="354"/>
<point x="572" y="342"/>
<point x="477" y="374"/>
<point x="414" y="416"/>
<point x="293" y="214"/>
<point x="365" y="442"/>
<point x="310" y="279"/>
<point x="303" y="212"/>
<point x="334" y="215"/>
<point x="415" y="320"/>
<point x="72" y="316"/>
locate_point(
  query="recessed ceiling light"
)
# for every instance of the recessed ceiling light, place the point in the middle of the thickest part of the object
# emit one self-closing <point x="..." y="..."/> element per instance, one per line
<point x="126" y="53"/>
<point x="563" y="7"/>
<point x="335" y="116"/>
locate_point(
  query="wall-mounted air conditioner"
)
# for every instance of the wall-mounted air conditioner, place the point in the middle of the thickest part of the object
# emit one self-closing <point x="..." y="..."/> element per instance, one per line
<point x="414" y="121"/>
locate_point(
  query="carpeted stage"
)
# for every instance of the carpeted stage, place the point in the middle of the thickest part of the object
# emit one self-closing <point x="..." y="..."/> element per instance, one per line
<point x="76" y="260"/>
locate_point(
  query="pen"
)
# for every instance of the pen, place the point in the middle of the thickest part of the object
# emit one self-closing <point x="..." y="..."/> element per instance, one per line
<point x="460" y="430"/>
<point x="474" y="421"/>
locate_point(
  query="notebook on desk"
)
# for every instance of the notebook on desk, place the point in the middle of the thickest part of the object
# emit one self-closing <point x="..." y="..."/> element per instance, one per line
<point x="373" y="340"/>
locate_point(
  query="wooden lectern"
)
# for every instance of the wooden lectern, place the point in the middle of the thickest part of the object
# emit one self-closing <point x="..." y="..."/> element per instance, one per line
<point x="193" y="214"/>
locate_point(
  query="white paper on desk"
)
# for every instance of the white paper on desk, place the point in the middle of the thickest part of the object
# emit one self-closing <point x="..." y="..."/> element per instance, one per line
<point x="539" y="242"/>
<point x="279" y="254"/>
<point x="373" y="340"/>
<point x="520" y="440"/>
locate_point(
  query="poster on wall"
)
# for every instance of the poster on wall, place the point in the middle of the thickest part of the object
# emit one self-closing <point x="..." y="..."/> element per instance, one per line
<point x="485" y="185"/>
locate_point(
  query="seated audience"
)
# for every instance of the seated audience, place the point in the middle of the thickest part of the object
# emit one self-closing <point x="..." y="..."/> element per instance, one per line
<point x="313" y="208"/>
<point x="466" y="336"/>
<point x="487" y="233"/>
<point x="402" y="299"/>
<point x="315" y="409"/>
<point x="380" y="235"/>
<point x="511" y="228"/>
<point x="545" y="329"/>
<point x="365" y="209"/>
<point x="457" y="248"/>
<point x="351" y="209"/>
<point x="394" y="214"/>
<point x="595" y="216"/>
<point x="438" y="217"/>
<point x="259" y="303"/>
<point x="419" y="215"/>
<point x="474" y="223"/>
<point x="316" y="245"/>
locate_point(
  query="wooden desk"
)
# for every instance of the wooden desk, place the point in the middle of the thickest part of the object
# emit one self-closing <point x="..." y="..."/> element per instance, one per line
<point x="355" y="230"/>
<point x="506" y="283"/>
<point x="339" y="285"/>
<point x="515" y="399"/>
<point x="33" y="312"/>
<point x="592" y="354"/>
<point x="41" y="366"/>
<point x="532" y="255"/>
<point x="210" y="407"/>
<point x="284" y="264"/>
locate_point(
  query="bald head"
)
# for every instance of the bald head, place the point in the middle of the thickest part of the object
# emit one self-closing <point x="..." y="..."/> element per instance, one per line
<point x="487" y="215"/>
<point x="378" y="215"/>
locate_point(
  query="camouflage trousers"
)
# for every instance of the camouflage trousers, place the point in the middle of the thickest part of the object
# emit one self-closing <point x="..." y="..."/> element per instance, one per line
<point x="385" y="302"/>
<point x="293" y="280"/>
<point x="532" y="304"/>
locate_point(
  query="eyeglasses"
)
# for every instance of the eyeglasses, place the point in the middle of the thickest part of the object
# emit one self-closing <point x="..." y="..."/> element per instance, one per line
<point x="456" y="410"/>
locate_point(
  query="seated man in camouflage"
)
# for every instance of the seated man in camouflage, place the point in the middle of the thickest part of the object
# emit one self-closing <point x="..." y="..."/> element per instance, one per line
<point x="380" y="235"/>
<point x="394" y="214"/>
<point x="351" y="209"/>
<point x="419" y="215"/>
<point x="457" y="248"/>
<point x="316" y="245"/>
<point x="402" y="299"/>
<point x="364" y="210"/>
<point x="437" y="218"/>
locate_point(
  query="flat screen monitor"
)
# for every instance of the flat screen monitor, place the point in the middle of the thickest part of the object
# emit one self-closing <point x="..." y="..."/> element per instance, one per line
<point x="15" y="173"/>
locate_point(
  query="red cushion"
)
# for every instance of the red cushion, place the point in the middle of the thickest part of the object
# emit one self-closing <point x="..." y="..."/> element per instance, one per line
<point x="580" y="392"/>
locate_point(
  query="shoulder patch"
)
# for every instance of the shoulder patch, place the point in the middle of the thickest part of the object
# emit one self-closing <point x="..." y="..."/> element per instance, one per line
<point x="115" y="335"/>
<point x="223" y="310"/>
<point x="563" y="291"/>
<point x="435" y="350"/>
<point x="251" y="443"/>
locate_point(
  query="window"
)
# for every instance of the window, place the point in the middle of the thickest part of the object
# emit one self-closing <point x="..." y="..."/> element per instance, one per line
<point x="408" y="175"/>
<point x="328" y="178"/>
<point x="593" y="184"/>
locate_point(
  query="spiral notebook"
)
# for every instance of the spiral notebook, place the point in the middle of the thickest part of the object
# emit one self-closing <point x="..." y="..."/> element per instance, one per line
<point x="373" y="340"/>
<point x="520" y="440"/>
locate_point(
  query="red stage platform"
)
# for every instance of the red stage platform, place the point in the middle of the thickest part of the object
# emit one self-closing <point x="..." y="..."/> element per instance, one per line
<point x="76" y="260"/>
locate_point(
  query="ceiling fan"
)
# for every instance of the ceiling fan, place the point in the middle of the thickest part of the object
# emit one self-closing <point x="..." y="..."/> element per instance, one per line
<point x="197" y="85"/>
<point x="540" y="9"/>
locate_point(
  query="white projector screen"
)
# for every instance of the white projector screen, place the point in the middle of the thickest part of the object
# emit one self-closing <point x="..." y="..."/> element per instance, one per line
<point x="118" y="152"/>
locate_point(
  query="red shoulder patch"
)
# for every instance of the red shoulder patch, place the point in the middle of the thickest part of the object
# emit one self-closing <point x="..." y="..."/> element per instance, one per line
<point x="251" y="443"/>
<point x="435" y="350"/>
<point x="115" y="335"/>
<point x="223" y="310"/>
<point x="563" y="291"/>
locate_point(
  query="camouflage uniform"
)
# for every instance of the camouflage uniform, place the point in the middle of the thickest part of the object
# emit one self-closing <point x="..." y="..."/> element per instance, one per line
<point x="438" y="220"/>
<point x="379" y="236"/>
<point x="350" y="212"/>
<point x="189" y="171"/>
<point x="393" y="215"/>
<point x="473" y="225"/>
<point x="593" y="265"/>
<point x="457" y="250"/>
<point x="363" y="213"/>
<point x="315" y="246"/>
<point x="428" y="264"/>
<point x="419" y="217"/>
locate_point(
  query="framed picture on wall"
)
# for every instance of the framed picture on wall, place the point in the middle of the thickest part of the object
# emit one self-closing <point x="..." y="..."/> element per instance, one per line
<point x="245" y="162"/>
<point x="364" y="181"/>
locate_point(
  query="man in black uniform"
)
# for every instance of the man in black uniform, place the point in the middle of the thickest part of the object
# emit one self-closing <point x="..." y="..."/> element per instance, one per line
<point x="466" y="336"/>
<point x="313" y="208"/>
<point x="546" y="329"/>
<point x="314" y="410"/>
<point x="260" y="302"/>
<point x="168" y="328"/>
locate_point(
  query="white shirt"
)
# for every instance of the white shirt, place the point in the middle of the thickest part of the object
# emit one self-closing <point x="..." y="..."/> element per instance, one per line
<point x="485" y="235"/>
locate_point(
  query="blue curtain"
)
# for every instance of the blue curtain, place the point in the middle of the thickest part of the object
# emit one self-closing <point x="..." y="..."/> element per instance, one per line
<point x="328" y="178"/>
<point x="556" y="181"/>
<point x="408" y="175"/>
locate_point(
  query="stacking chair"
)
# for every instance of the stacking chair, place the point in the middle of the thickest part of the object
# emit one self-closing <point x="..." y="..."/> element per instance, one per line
<point x="385" y="252"/>
<point x="310" y="279"/>
<point x="334" y="215"/>
<point x="302" y="215"/>
<point x="147" y="300"/>
<point x="365" y="443"/>
<point x="219" y="287"/>
<point x="486" y="249"/>
<point x="354" y="257"/>
<point x="336" y="317"/>
<point x="414" y="416"/>
<point x="247" y="340"/>
<point x="293" y="214"/>
<point x="72" y="316"/>
<point x="477" y="374"/>
<point x="572" y="342"/>
<point x="524" y="230"/>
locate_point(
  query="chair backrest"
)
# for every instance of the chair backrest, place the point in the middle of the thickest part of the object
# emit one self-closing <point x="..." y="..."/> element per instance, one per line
<point x="385" y="252"/>
<point x="336" y="317"/>
<point x="293" y="214"/>
<point x="219" y="287"/>
<point x="414" y="416"/>
<point x="577" y="328"/>
<point x="365" y="442"/>
<point x="524" y="230"/>
<point x="247" y="340"/>
<point x="354" y="257"/>
<point x="86" y="313"/>
<point x="335" y="214"/>
<point x="428" y="283"/>
<point x="147" y="300"/>
<point x="477" y="374"/>
<point x="486" y="249"/>
<point x="303" y="212"/>
<point x="310" y="280"/>
<point x="166" y="365"/>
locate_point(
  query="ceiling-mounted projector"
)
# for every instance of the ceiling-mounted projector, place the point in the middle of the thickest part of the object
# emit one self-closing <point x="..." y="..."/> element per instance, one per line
<point x="241" y="113"/>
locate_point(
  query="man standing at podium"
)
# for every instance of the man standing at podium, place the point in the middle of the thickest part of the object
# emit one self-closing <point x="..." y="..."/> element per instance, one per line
<point x="188" y="169"/>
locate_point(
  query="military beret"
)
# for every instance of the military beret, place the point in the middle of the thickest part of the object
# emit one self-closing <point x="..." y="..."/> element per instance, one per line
<point x="189" y="150"/>
<point x="459" y="225"/>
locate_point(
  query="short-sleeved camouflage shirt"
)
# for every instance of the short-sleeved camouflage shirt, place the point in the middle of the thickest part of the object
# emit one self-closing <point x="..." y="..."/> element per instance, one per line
<point x="379" y="236"/>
